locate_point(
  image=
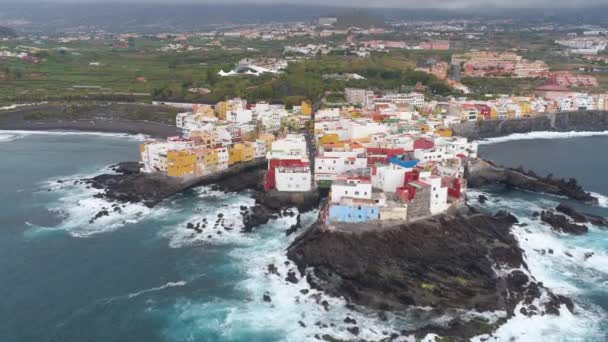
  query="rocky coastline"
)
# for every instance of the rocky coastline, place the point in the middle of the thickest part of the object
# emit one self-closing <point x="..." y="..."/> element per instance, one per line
<point x="482" y="173"/>
<point x="127" y="118"/>
<point x="580" y="121"/>
<point x="464" y="261"/>
<point x="130" y="185"/>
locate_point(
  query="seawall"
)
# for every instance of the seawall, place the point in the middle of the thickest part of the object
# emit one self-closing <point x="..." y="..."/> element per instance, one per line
<point x="581" y="121"/>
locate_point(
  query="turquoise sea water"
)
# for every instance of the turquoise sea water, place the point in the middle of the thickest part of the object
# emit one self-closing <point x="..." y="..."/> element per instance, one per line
<point x="140" y="275"/>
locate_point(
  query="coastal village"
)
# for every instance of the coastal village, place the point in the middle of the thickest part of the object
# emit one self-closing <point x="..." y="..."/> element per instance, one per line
<point x="383" y="156"/>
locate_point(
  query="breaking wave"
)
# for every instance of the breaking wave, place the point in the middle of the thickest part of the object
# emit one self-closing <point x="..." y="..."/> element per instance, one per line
<point x="10" y="135"/>
<point x="573" y="266"/>
<point x="83" y="213"/>
<point x="540" y="135"/>
<point x="602" y="200"/>
<point x="158" y="288"/>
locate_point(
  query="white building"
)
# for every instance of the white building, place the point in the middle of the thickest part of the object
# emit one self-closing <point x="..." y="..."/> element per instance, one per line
<point x="389" y="177"/>
<point x="240" y="116"/>
<point x="154" y="154"/>
<point x="438" y="153"/>
<point x="439" y="194"/>
<point x="292" y="147"/>
<point x="351" y="188"/>
<point x="292" y="179"/>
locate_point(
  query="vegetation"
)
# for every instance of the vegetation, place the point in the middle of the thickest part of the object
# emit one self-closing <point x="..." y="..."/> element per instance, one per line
<point x="427" y="286"/>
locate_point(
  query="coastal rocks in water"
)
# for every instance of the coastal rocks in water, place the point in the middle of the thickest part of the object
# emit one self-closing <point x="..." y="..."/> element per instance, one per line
<point x="582" y="217"/>
<point x="561" y="223"/>
<point x="482" y="199"/>
<point x="482" y="173"/>
<point x="100" y="214"/>
<point x="255" y="216"/>
<point x="266" y="298"/>
<point x="273" y="203"/>
<point x="127" y="168"/>
<point x="292" y="277"/>
<point x="275" y="200"/>
<point x="444" y="262"/>
<point x="151" y="188"/>
<point x="249" y="179"/>
<point x="148" y="189"/>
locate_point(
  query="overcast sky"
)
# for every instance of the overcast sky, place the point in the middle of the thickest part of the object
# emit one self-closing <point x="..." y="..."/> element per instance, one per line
<point x="441" y="4"/>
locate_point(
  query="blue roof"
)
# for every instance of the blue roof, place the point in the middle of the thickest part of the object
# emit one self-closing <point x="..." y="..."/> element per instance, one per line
<point x="399" y="161"/>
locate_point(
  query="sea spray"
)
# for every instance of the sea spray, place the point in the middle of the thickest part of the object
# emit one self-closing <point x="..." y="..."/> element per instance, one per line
<point x="559" y="261"/>
<point x="541" y="135"/>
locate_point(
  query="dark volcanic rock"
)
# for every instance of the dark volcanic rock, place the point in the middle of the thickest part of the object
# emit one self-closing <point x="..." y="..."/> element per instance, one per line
<point x="482" y="199"/>
<point x="256" y="216"/>
<point x="437" y="262"/>
<point x="275" y="200"/>
<point x="292" y="277"/>
<point x="149" y="189"/>
<point x="586" y="121"/>
<point x="127" y="168"/>
<point x="444" y="262"/>
<point x="582" y="217"/>
<point x="560" y="223"/>
<point x="152" y="188"/>
<point x="482" y="173"/>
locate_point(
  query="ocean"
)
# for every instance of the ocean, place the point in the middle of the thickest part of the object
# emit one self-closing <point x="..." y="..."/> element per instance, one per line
<point x="141" y="275"/>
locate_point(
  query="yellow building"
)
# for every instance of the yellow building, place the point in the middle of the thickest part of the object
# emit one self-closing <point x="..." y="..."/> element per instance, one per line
<point x="221" y="108"/>
<point x="268" y="139"/>
<point x="526" y="108"/>
<point x="180" y="163"/>
<point x="493" y="113"/>
<point x="306" y="108"/>
<point x="204" y="139"/>
<point x="443" y="132"/>
<point x="248" y="151"/>
<point x="235" y="154"/>
<point x="329" y="138"/>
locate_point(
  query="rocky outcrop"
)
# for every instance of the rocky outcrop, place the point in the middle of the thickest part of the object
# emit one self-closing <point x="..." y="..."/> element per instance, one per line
<point x="129" y="185"/>
<point x="272" y="204"/>
<point x="484" y="173"/>
<point x="561" y="223"/>
<point x="276" y="200"/>
<point x="580" y="217"/>
<point x="127" y="168"/>
<point x="444" y="262"/>
<point x="588" y="121"/>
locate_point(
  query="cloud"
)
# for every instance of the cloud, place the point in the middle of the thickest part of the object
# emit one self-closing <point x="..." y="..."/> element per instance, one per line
<point x="437" y="4"/>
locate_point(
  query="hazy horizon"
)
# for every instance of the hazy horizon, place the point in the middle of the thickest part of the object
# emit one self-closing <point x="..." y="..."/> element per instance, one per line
<point x="401" y="4"/>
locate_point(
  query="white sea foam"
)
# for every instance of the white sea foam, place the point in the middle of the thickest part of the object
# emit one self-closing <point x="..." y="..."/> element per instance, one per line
<point x="158" y="288"/>
<point x="561" y="262"/>
<point x="204" y="210"/>
<point x="18" y="134"/>
<point x="601" y="199"/>
<point x="78" y="206"/>
<point x="540" y="135"/>
<point x="15" y="106"/>
<point x="6" y="137"/>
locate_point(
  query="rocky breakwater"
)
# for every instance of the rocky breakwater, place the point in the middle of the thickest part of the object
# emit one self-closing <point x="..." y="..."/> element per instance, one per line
<point x="484" y="173"/>
<point x="566" y="219"/>
<point x="448" y="263"/>
<point x="581" y="121"/>
<point x="273" y="203"/>
<point x="128" y="184"/>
